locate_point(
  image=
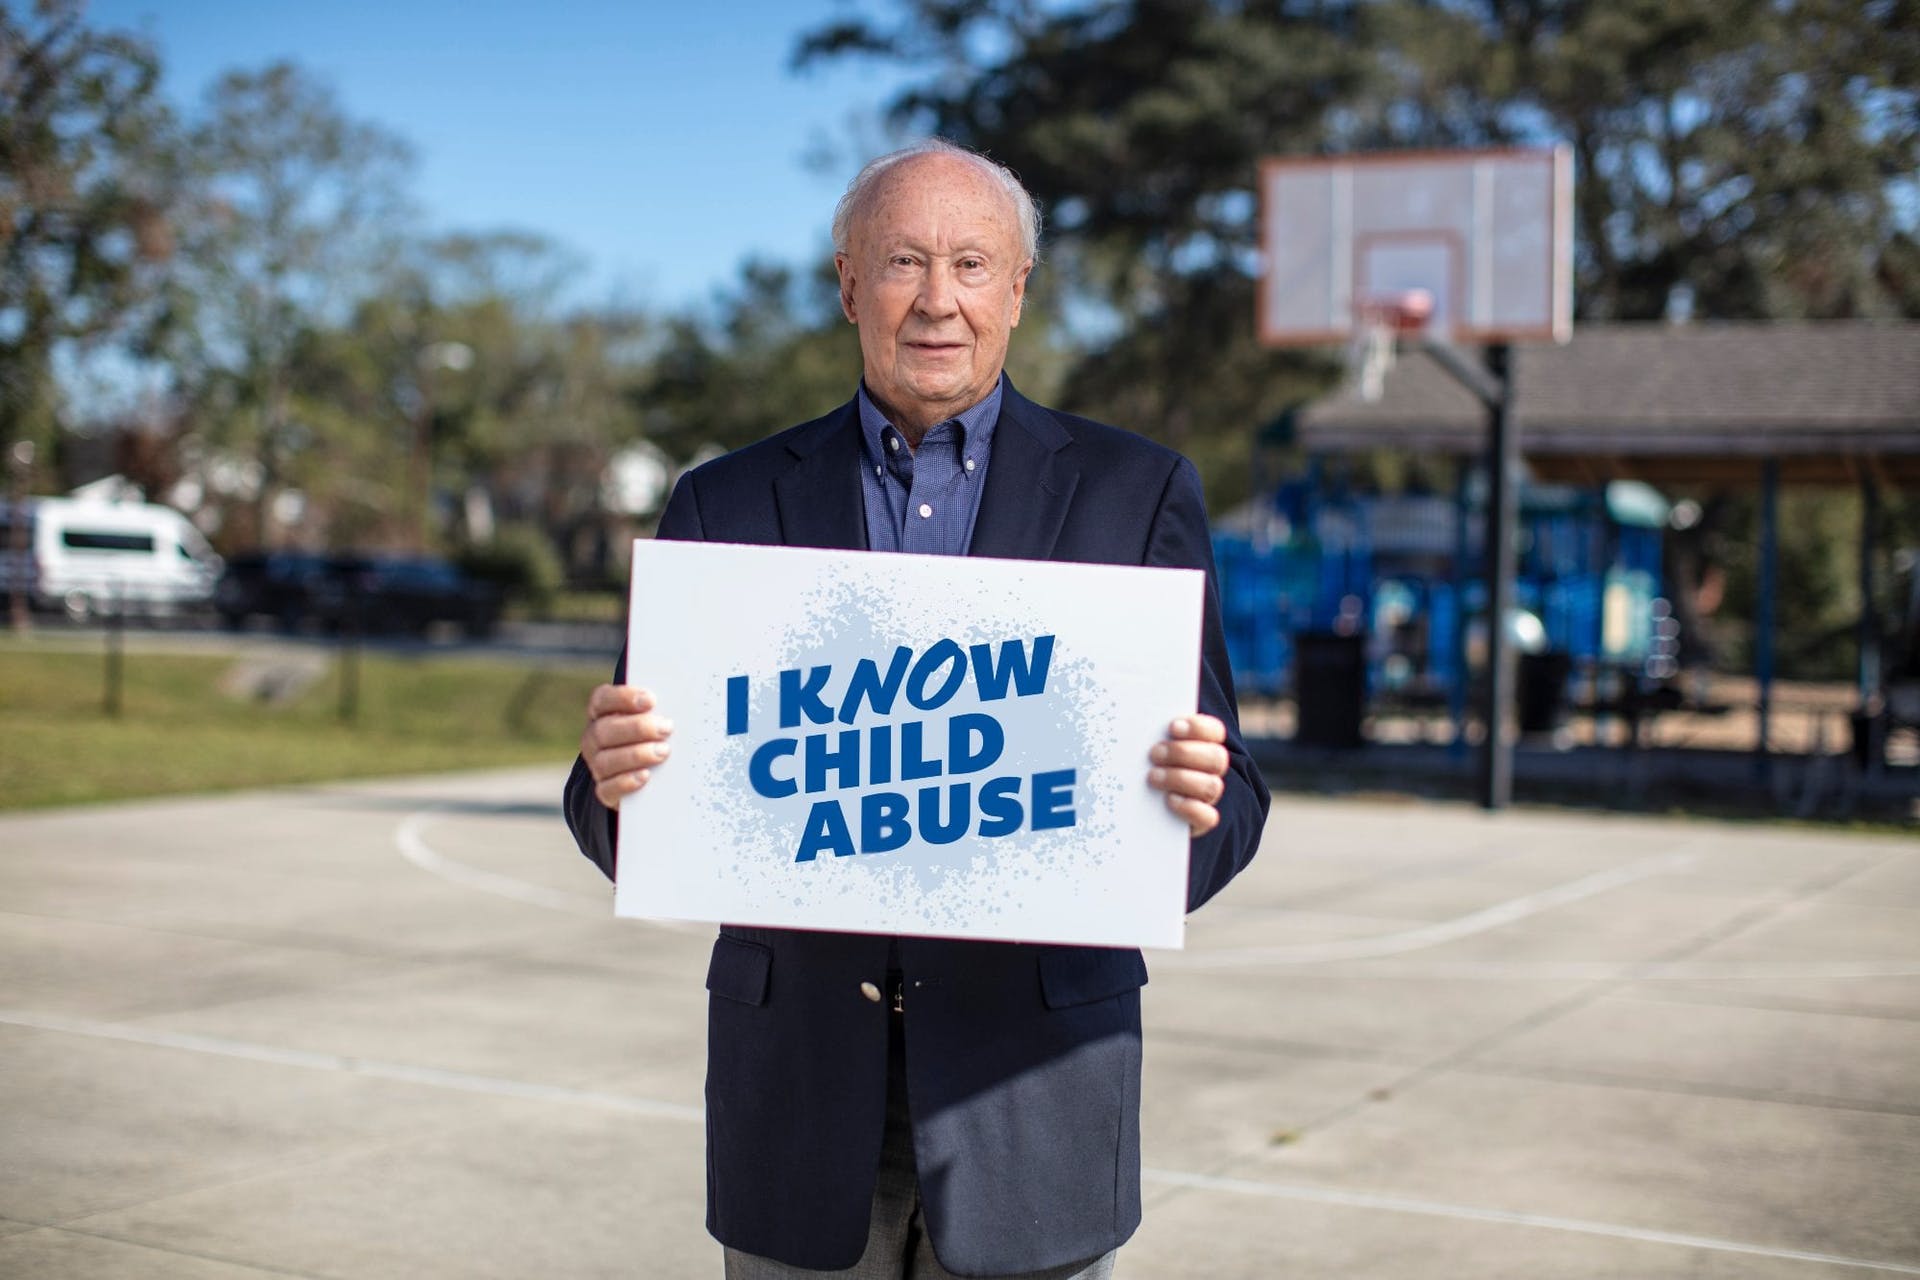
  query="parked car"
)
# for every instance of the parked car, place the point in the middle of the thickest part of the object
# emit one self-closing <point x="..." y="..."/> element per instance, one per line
<point x="90" y="557"/>
<point x="287" y="587"/>
<point x="384" y="593"/>
<point x="365" y="593"/>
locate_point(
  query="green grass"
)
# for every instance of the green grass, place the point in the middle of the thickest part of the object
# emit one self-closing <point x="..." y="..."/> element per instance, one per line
<point x="584" y="606"/>
<point x="180" y="731"/>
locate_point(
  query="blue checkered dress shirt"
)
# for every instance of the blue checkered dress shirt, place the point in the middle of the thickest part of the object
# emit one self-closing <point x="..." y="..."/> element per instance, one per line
<point x="925" y="500"/>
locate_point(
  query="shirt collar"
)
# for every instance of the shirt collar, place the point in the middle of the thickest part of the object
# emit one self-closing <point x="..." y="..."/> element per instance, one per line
<point x="976" y="424"/>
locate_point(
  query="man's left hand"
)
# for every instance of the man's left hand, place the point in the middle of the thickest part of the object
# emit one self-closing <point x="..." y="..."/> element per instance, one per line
<point x="1191" y="767"/>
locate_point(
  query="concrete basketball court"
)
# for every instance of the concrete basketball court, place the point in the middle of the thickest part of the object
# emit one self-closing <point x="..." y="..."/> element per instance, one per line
<point x="387" y="1029"/>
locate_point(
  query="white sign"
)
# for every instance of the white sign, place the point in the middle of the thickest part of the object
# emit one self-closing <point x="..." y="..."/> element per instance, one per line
<point x="933" y="745"/>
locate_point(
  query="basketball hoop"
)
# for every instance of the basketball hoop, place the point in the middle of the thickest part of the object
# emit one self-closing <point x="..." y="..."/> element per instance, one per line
<point x="1378" y="324"/>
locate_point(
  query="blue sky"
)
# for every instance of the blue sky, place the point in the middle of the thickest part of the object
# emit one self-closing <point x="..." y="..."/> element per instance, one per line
<point x="662" y="142"/>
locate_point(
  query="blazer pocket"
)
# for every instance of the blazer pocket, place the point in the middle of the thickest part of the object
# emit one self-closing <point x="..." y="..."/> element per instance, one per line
<point x="740" y="970"/>
<point x="1081" y="975"/>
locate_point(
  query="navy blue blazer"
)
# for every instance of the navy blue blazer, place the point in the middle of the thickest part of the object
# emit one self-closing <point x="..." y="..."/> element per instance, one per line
<point x="1023" y="1061"/>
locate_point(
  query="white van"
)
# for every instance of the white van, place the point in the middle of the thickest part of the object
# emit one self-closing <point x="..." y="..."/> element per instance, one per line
<point x="91" y="558"/>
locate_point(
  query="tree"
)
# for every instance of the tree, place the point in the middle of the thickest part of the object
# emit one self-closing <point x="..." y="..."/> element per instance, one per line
<point x="86" y="186"/>
<point x="301" y="212"/>
<point x="1746" y="158"/>
<point x="777" y="352"/>
<point x="1138" y="128"/>
<point x="1735" y="159"/>
<point x="462" y="377"/>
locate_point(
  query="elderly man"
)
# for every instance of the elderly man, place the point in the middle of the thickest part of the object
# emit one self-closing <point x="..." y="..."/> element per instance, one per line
<point x="888" y="1107"/>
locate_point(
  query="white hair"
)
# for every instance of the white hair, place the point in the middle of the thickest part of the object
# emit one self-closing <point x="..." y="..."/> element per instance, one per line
<point x="869" y="177"/>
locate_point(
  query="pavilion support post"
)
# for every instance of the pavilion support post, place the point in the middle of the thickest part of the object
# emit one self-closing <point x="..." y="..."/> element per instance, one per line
<point x="1867" y="718"/>
<point x="1763" y="610"/>
<point x="1609" y="543"/>
<point x="1457" y="642"/>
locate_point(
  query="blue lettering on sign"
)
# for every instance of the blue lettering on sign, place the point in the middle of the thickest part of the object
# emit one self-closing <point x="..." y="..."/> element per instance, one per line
<point x="944" y="653"/>
<point x="736" y="705"/>
<point x="962" y="755"/>
<point x="843" y="762"/>
<point x="823" y="762"/>
<point x="869" y="686"/>
<point x="760" y="769"/>
<point x="941" y="815"/>
<point x="826" y="832"/>
<point x="1028" y="677"/>
<point x="1053" y="800"/>
<point x="883" y="822"/>
<point x="1000" y="811"/>
<point x="914" y="764"/>
<point x="802" y="696"/>
<point x="959" y="809"/>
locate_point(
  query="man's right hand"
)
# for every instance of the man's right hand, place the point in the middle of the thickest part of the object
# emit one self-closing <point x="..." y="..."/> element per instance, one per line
<point x="624" y="738"/>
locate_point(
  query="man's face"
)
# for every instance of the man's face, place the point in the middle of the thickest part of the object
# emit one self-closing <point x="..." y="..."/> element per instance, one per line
<point x="933" y="276"/>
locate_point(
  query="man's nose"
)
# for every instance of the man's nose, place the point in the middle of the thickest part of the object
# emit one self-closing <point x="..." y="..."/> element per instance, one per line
<point x="936" y="293"/>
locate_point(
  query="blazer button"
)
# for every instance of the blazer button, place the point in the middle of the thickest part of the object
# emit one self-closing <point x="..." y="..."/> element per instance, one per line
<point x="870" y="991"/>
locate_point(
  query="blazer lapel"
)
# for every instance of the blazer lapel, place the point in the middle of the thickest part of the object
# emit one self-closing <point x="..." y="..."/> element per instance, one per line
<point x="819" y="497"/>
<point x="1030" y="483"/>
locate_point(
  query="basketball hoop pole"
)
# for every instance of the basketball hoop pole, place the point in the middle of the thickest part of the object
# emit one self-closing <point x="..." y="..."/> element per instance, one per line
<point x="1493" y="387"/>
<point x="1383" y="247"/>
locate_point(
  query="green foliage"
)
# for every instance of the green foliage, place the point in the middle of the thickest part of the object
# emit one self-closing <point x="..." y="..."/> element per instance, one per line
<point x="778" y="352"/>
<point x="1739" y="159"/>
<point x="86" y="185"/>
<point x="1755" y="157"/>
<point x="1755" y="153"/>
<point x="299" y="208"/>
<point x="182" y="732"/>
<point x="522" y="561"/>
<point x="1819" y="603"/>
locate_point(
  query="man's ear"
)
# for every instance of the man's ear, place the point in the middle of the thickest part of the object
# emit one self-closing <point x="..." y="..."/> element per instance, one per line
<point x="843" y="263"/>
<point x="1020" y="291"/>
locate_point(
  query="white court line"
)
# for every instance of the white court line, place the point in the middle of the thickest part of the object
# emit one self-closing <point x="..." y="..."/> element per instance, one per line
<point x="410" y="839"/>
<point x="656" y="1109"/>
<point x="1432" y="935"/>
<point x="1644" y="970"/>
<point x="432" y="1076"/>
<point x="414" y="848"/>
<point x="1469" y="1213"/>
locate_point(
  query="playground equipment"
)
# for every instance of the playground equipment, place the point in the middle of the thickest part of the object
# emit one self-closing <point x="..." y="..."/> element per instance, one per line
<point x="1402" y="576"/>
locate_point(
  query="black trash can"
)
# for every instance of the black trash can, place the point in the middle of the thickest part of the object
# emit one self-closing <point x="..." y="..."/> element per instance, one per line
<point x="1329" y="688"/>
<point x="1541" y="692"/>
<point x="1869" y="738"/>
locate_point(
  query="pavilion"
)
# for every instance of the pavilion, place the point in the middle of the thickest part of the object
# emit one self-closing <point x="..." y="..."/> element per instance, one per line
<point x="1810" y="403"/>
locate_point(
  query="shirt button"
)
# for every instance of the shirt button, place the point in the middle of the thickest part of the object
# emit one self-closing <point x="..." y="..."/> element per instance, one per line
<point x="893" y="443"/>
<point x="926" y="512"/>
<point x="870" y="991"/>
<point x="969" y="464"/>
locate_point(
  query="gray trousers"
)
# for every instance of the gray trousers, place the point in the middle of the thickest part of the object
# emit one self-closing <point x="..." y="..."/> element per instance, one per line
<point x="898" y="1247"/>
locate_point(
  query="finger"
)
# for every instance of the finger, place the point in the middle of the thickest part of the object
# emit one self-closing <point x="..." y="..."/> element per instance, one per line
<point x="1199" y="817"/>
<point x="613" y="790"/>
<point x="1208" y="757"/>
<point x="622" y="731"/>
<point x="618" y="760"/>
<point x="618" y="699"/>
<point x="1205" y="787"/>
<point x="1198" y="727"/>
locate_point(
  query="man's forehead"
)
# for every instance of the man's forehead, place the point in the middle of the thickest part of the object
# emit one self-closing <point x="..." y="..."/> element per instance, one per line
<point x="953" y="181"/>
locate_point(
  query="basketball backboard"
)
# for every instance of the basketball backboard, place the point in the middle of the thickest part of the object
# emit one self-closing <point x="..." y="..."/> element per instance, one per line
<point x="1487" y="235"/>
